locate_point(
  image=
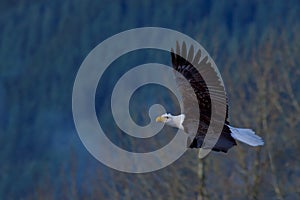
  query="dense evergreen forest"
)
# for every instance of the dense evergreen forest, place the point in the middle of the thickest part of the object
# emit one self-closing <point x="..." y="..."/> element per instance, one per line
<point x="255" y="44"/>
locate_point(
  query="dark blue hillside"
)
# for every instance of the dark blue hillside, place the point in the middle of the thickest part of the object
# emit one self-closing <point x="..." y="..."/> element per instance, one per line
<point x="43" y="44"/>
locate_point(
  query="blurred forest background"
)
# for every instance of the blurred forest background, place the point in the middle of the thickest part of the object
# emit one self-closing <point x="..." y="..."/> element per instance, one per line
<point x="255" y="44"/>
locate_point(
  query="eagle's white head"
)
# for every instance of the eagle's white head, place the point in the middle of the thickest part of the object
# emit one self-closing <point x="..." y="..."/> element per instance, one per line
<point x="170" y="120"/>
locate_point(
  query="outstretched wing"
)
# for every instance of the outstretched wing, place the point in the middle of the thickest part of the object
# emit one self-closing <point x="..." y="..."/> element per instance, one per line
<point x="193" y="66"/>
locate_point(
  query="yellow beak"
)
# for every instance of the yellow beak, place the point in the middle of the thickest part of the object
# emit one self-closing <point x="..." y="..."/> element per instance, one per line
<point x="159" y="119"/>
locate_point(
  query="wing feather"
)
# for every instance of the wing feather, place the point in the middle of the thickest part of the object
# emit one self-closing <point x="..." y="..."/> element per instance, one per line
<point x="193" y="67"/>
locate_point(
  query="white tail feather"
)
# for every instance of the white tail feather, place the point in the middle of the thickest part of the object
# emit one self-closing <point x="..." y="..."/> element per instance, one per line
<point x="246" y="136"/>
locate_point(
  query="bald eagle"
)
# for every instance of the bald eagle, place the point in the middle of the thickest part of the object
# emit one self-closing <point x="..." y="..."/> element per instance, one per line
<point x="189" y="65"/>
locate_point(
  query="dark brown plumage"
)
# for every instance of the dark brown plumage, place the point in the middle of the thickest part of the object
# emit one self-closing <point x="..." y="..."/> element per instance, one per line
<point x="190" y="71"/>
